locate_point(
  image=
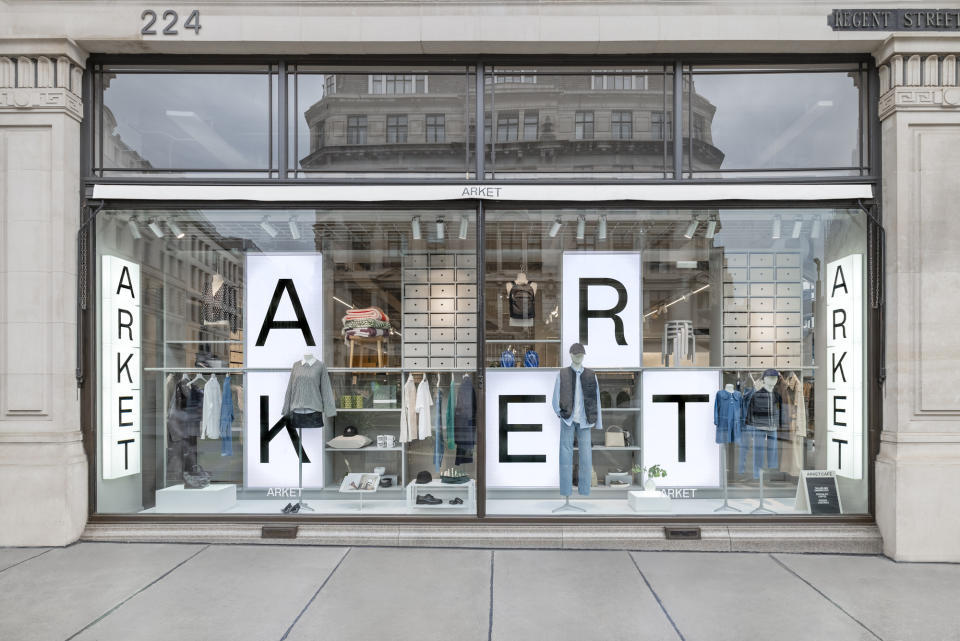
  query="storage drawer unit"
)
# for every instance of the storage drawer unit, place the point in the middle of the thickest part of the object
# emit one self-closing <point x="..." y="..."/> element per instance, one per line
<point x="788" y="348"/>
<point x="735" y="304"/>
<point x="417" y="349"/>
<point x="788" y="260"/>
<point x="467" y="305"/>
<point x="788" y="274"/>
<point x="762" y="274"/>
<point x="443" y="320"/>
<point x="443" y="349"/>
<point x="761" y="319"/>
<point x="416" y="276"/>
<point x="415" y="363"/>
<point x="761" y="349"/>
<point x="788" y="361"/>
<point x="762" y="289"/>
<point x="736" y="349"/>
<point x="416" y="334"/>
<point x="761" y="260"/>
<point x="740" y="319"/>
<point x="788" y="304"/>
<point x="762" y="361"/>
<point x="443" y="305"/>
<point x="415" y="260"/>
<point x="734" y="274"/>
<point x="466" y="349"/>
<point x="762" y="333"/>
<point x="443" y="291"/>
<point x="789" y="334"/>
<point x="736" y="361"/>
<point x="467" y="291"/>
<point x="466" y="334"/>
<point x="788" y="289"/>
<point x="467" y="260"/>
<point x="761" y="304"/>
<point x="788" y="319"/>
<point x="466" y="320"/>
<point x="443" y="363"/>
<point x="415" y="305"/>
<point x="736" y="289"/>
<point x="442" y="275"/>
<point x="734" y="260"/>
<point x="416" y="291"/>
<point x="735" y="333"/>
<point x="416" y="320"/>
<point x="442" y="260"/>
<point x="442" y="334"/>
<point x="466" y="275"/>
<point x="466" y="363"/>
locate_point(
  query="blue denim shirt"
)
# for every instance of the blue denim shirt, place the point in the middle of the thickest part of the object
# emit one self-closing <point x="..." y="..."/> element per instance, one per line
<point x="728" y="415"/>
<point x="579" y="414"/>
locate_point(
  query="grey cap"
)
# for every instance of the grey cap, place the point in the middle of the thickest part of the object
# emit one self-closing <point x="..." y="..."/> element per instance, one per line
<point x="577" y="348"/>
<point x="771" y="372"/>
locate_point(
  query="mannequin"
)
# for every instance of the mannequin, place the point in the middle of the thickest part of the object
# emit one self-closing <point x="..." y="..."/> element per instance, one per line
<point x="576" y="402"/>
<point x="763" y="416"/>
<point x="522" y="296"/>
<point x="727" y="417"/>
<point x="308" y="400"/>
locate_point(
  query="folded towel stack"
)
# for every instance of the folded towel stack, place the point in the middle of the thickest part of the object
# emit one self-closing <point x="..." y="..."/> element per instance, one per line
<point x="369" y="322"/>
<point x="367" y="313"/>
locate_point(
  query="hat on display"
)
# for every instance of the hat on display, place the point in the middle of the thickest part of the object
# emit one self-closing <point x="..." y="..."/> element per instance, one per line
<point x="350" y="430"/>
<point x="424" y="477"/>
<point x="770" y="372"/>
<point x="577" y="348"/>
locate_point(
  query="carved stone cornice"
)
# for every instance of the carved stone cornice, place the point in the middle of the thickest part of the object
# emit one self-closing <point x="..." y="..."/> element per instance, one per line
<point x="919" y="83"/>
<point x="41" y="84"/>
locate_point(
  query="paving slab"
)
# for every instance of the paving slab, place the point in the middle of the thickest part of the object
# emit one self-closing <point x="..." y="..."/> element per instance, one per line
<point x="402" y="595"/>
<point x="229" y="593"/>
<point x="573" y="595"/>
<point x="55" y="595"/>
<point x="898" y="601"/>
<point x="738" y="597"/>
<point x="12" y="556"/>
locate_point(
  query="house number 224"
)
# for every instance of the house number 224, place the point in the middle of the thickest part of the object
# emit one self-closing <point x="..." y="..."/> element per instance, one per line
<point x="169" y="18"/>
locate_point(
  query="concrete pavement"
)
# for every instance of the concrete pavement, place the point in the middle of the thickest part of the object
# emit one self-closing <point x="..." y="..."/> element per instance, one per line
<point x="142" y="592"/>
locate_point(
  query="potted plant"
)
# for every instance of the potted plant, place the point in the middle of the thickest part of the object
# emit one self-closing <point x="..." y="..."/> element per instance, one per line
<point x="652" y="472"/>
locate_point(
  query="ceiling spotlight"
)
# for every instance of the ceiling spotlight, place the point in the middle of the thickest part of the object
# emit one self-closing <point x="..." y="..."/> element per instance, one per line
<point x="175" y="228"/>
<point x="134" y="229"/>
<point x="464" y="227"/>
<point x="439" y="228"/>
<point x="268" y="227"/>
<point x="691" y="229"/>
<point x="602" y="228"/>
<point x="294" y="228"/>
<point x="776" y="227"/>
<point x="797" y="228"/>
<point x="155" y="228"/>
<point x="711" y="228"/>
<point x="815" y="228"/>
<point x="415" y="226"/>
<point x="581" y="227"/>
<point x="555" y="228"/>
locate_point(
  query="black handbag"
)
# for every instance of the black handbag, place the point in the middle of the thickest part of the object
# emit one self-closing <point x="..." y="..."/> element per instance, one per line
<point x="196" y="478"/>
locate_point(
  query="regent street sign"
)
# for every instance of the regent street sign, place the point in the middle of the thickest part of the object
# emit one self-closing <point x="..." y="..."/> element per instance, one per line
<point x="894" y="19"/>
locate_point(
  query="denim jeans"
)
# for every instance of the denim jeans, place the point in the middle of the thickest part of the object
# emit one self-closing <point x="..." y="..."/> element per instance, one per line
<point x="566" y="459"/>
<point x="764" y="450"/>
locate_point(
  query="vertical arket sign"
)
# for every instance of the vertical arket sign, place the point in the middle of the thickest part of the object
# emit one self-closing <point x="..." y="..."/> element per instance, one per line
<point x="844" y="366"/>
<point x="523" y="433"/>
<point x="120" y="341"/>
<point x="678" y="430"/>
<point x="602" y="307"/>
<point x="284" y="321"/>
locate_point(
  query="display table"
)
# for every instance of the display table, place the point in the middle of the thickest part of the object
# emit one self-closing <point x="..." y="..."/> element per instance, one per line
<point x="648" y="502"/>
<point x="216" y="497"/>
<point x="359" y="483"/>
<point x="444" y="491"/>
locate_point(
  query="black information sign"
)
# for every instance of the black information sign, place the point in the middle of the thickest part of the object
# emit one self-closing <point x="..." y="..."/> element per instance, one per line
<point x="895" y="19"/>
<point x="823" y="495"/>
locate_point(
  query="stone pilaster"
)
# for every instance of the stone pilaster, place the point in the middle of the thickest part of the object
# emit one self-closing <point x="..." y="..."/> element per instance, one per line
<point x="43" y="469"/>
<point x="918" y="468"/>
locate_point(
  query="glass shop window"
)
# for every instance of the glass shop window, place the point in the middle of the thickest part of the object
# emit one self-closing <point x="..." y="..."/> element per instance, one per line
<point x="706" y="338"/>
<point x="269" y="361"/>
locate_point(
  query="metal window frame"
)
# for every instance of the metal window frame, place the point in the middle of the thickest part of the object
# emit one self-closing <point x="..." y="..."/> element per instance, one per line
<point x="92" y="172"/>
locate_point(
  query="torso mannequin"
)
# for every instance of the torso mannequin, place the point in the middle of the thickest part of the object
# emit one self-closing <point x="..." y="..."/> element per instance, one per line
<point x="527" y="319"/>
<point x="217" y="283"/>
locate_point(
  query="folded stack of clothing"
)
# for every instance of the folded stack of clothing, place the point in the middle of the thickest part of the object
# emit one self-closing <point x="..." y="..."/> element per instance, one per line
<point x="368" y="322"/>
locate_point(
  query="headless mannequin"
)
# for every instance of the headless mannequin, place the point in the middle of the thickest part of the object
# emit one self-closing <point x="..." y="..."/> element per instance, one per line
<point x="576" y="361"/>
<point x="308" y="359"/>
<point x="521" y="279"/>
<point x="729" y="387"/>
<point x="769" y="382"/>
<point x="217" y="284"/>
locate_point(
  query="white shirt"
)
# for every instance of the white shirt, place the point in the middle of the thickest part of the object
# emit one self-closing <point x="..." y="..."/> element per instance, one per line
<point x="408" y="413"/>
<point x="424" y="403"/>
<point x="212" y="401"/>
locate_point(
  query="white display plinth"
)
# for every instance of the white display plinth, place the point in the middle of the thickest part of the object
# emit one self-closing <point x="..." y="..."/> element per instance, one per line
<point x="649" y="501"/>
<point x="216" y="497"/>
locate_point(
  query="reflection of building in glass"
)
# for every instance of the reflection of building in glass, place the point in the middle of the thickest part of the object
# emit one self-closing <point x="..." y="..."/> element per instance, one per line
<point x="612" y="121"/>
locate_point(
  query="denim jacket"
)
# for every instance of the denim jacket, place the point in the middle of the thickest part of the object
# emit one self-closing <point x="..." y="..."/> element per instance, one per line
<point x="728" y="416"/>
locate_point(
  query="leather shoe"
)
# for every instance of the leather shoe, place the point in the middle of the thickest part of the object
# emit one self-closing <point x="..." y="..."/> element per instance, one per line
<point x="296" y="508"/>
<point x="287" y="509"/>
<point x="428" y="499"/>
<point x="456" y="501"/>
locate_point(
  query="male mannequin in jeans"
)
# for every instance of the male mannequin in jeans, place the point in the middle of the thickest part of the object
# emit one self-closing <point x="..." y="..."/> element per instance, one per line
<point x="576" y="401"/>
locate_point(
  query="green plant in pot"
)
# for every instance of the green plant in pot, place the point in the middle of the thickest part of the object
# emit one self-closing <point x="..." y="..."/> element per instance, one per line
<point x="653" y="472"/>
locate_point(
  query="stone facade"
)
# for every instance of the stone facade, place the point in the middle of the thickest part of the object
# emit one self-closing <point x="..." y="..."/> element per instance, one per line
<point x="43" y="469"/>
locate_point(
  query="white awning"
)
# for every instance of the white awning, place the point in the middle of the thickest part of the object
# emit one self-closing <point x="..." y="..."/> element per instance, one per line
<point x="538" y="192"/>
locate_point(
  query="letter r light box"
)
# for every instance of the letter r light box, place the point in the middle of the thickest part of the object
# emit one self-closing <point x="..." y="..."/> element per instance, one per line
<point x="602" y="308"/>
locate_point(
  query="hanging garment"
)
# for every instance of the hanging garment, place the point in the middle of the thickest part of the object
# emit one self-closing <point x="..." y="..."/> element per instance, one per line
<point x="451" y="414"/>
<point x="219" y="306"/>
<point x="727" y="408"/>
<point x="465" y="421"/>
<point x="523" y="301"/>
<point x="438" y="437"/>
<point x="765" y="410"/>
<point x="185" y="412"/>
<point x="424" y="403"/>
<point x="226" y="419"/>
<point x="309" y="389"/>
<point x="408" y="414"/>
<point x="212" y="405"/>
<point x="791" y="461"/>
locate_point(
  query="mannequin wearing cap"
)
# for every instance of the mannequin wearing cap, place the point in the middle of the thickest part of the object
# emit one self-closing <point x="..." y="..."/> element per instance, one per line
<point x="576" y="401"/>
<point x="764" y="415"/>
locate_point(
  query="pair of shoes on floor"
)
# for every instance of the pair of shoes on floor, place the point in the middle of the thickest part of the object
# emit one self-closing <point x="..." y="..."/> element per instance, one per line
<point x="428" y="499"/>
<point x="456" y="501"/>
<point x="291" y="508"/>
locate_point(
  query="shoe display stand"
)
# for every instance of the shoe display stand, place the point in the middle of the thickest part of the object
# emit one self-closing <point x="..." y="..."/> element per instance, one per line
<point x="216" y="497"/>
<point x="357" y="478"/>
<point x="445" y="492"/>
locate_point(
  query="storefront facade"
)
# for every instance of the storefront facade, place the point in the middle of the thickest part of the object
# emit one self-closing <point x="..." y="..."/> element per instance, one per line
<point x="344" y="289"/>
